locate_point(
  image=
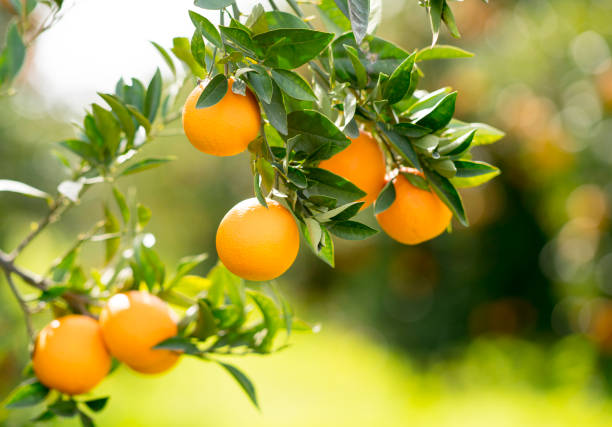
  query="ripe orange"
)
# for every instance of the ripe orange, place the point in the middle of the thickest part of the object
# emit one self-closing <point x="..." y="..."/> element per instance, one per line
<point x="224" y="129"/>
<point x="256" y="243"/>
<point x="134" y="322"/>
<point x="362" y="163"/>
<point x="70" y="355"/>
<point x="416" y="215"/>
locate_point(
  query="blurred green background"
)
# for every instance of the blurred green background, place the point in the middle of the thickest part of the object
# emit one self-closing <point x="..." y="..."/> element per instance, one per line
<point x="506" y="323"/>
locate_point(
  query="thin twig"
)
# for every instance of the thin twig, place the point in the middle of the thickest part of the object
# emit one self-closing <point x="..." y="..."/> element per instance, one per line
<point x="24" y="307"/>
<point x="54" y="212"/>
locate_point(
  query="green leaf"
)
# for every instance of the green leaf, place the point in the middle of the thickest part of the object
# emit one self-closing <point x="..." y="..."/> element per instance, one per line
<point x="213" y="4"/>
<point x="416" y="180"/>
<point x="325" y="183"/>
<point x="186" y="264"/>
<point x="326" y="248"/>
<point x="122" y="204"/>
<point x="64" y="408"/>
<point x="207" y="29"/>
<point x="315" y="134"/>
<point x="243" y="381"/>
<point x="290" y="48"/>
<point x="411" y="130"/>
<point x="143" y="214"/>
<point x="182" y="50"/>
<point x="272" y="318"/>
<point x="435" y="17"/>
<point x="145" y="165"/>
<point x="21" y="188"/>
<point x="485" y="134"/>
<point x="448" y="194"/>
<point x="333" y="17"/>
<point x="449" y="20"/>
<point x="403" y="146"/>
<point x="180" y="344"/>
<point x="297" y="177"/>
<point x="385" y="198"/>
<point x="459" y="145"/>
<point x="153" y="96"/>
<point x="86" y="420"/>
<point x="122" y="113"/>
<point x="257" y="189"/>
<point x="444" y="167"/>
<point x="13" y="54"/>
<point x="351" y="230"/>
<point x="214" y="92"/>
<point x="111" y="225"/>
<point x="27" y="394"/>
<point x="293" y="84"/>
<point x="64" y="266"/>
<point x="240" y="38"/>
<point x="276" y="20"/>
<point x="472" y="173"/>
<point x="140" y="118"/>
<point x="262" y="85"/>
<point x="205" y="325"/>
<point x="361" y="73"/>
<point x="275" y="110"/>
<point x="97" y="405"/>
<point x="52" y="293"/>
<point x="439" y="115"/>
<point x="44" y="416"/>
<point x="198" y="48"/>
<point x="442" y="52"/>
<point x="166" y="56"/>
<point x="358" y="13"/>
<point x="399" y="82"/>
<point x="382" y="57"/>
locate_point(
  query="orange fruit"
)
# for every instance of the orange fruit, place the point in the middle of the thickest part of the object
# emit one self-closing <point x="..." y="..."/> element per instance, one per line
<point x="134" y="322"/>
<point x="362" y="163"/>
<point x="225" y="128"/>
<point x="258" y="243"/>
<point x="70" y="355"/>
<point x="416" y="215"/>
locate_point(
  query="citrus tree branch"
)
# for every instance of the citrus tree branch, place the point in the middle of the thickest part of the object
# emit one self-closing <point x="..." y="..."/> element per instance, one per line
<point x="24" y="306"/>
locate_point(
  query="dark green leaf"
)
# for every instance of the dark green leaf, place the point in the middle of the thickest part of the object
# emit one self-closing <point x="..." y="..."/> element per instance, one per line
<point x="361" y="73"/>
<point x="444" y="167"/>
<point x="207" y="29"/>
<point x="205" y="325"/>
<point x="333" y="17"/>
<point x="97" y="405"/>
<point x="351" y="230"/>
<point x="153" y="96"/>
<point x="435" y="17"/>
<point x="64" y="408"/>
<point x="243" y="381"/>
<point x="214" y="92"/>
<point x="293" y="84"/>
<point x="411" y="130"/>
<point x="179" y="344"/>
<point x="449" y="20"/>
<point x="385" y="199"/>
<point x="64" y="266"/>
<point x="399" y="82"/>
<point x="297" y="177"/>
<point x="140" y="118"/>
<point x="262" y="85"/>
<point x="122" y="113"/>
<point x="86" y="420"/>
<point x="257" y="189"/>
<point x="145" y="164"/>
<point x="325" y="183"/>
<point x="416" y="180"/>
<point x="182" y="49"/>
<point x="291" y="48"/>
<point x="471" y="173"/>
<point x="459" y="145"/>
<point x="276" y="20"/>
<point x="448" y="194"/>
<point x="275" y="110"/>
<point x="240" y="38"/>
<point x="315" y="134"/>
<point x="439" y="115"/>
<point x="27" y="394"/>
<point x="52" y="293"/>
<point x="403" y="146"/>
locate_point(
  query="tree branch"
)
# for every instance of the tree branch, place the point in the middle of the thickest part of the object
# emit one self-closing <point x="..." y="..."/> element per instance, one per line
<point x="24" y="307"/>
